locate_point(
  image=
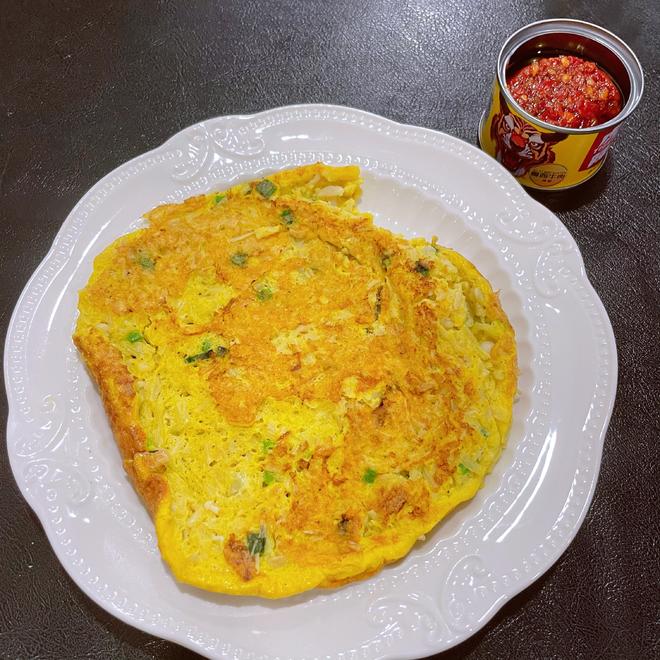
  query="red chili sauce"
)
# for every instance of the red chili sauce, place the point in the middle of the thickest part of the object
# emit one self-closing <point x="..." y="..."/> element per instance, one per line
<point x="566" y="91"/>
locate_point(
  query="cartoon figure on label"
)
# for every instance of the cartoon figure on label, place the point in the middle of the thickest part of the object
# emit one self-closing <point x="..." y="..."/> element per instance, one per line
<point x="518" y="145"/>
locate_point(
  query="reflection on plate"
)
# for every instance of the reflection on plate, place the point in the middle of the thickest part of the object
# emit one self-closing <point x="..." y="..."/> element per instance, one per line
<point x="417" y="182"/>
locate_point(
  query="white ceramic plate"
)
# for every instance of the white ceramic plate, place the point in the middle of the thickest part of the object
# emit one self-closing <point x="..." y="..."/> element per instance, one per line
<point x="417" y="181"/>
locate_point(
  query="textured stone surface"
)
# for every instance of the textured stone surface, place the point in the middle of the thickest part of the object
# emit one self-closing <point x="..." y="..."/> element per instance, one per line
<point x="87" y="86"/>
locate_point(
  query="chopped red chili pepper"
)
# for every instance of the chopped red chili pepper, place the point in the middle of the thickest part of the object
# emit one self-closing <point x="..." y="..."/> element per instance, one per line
<point x="566" y="91"/>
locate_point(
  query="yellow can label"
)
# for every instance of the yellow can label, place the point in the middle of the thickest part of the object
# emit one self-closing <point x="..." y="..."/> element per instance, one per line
<point x="539" y="158"/>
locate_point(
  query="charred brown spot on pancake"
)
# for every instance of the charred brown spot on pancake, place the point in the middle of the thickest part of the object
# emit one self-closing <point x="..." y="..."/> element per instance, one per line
<point x="239" y="558"/>
<point x="350" y="526"/>
<point x="393" y="500"/>
<point x="422" y="501"/>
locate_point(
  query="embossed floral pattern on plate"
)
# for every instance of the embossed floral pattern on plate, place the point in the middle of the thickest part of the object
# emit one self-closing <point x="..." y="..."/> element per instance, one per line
<point x="417" y="181"/>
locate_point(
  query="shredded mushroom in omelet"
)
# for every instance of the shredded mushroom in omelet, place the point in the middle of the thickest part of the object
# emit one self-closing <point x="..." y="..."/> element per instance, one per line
<point x="297" y="394"/>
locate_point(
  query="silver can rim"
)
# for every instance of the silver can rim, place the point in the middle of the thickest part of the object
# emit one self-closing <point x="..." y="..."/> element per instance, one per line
<point x="580" y="28"/>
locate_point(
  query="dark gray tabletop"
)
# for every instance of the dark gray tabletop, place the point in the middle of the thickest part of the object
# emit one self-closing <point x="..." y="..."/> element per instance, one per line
<point x="86" y="86"/>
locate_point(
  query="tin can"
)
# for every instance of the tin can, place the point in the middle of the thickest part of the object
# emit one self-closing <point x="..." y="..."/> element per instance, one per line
<point x="543" y="155"/>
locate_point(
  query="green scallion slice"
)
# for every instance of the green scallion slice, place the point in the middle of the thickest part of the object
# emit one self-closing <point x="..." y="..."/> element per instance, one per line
<point x="265" y="188"/>
<point x="205" y="355"/>
<point x="422" y="268"/>
<point x="239" y="259"/>
<point x="264" y="292"/>
<point x="146" y="262"/>
<point x="256" y="542"/>
<point x="369" y="476"/>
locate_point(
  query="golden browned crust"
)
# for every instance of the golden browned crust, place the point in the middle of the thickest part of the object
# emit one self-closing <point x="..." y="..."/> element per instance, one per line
<point x="116" y="386"/>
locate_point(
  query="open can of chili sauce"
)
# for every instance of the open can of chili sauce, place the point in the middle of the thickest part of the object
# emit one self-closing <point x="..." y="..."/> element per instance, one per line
<point x="562" y="90"/>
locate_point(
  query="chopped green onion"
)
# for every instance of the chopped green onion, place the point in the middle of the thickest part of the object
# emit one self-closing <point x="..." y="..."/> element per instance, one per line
<point x="386" y="262"/>
<point x="265" y="188"/>
<point x="133" y="336"/>
<point x="239" y="259"/>
<point x="484" y="432"/>
<point x="268" y="478"/>
<point x="256" y="542"/>
<point x="422" y="268"/>
<point x="207" y="352"/>
<point x="219" y="198"/>
<point x="287" y="217"/>
<point x="150" y="445"/>
<point x="199" y="356"/>
<point x="146" y="262"/>
<point x="267" y="445"/>
<point x="264" y="292"/>
<point x="463" y="469"/>
<point x="369" y="476"/>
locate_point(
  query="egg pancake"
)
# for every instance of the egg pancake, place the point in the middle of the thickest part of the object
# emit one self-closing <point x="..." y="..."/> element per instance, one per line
<point x="297" y="394"/>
